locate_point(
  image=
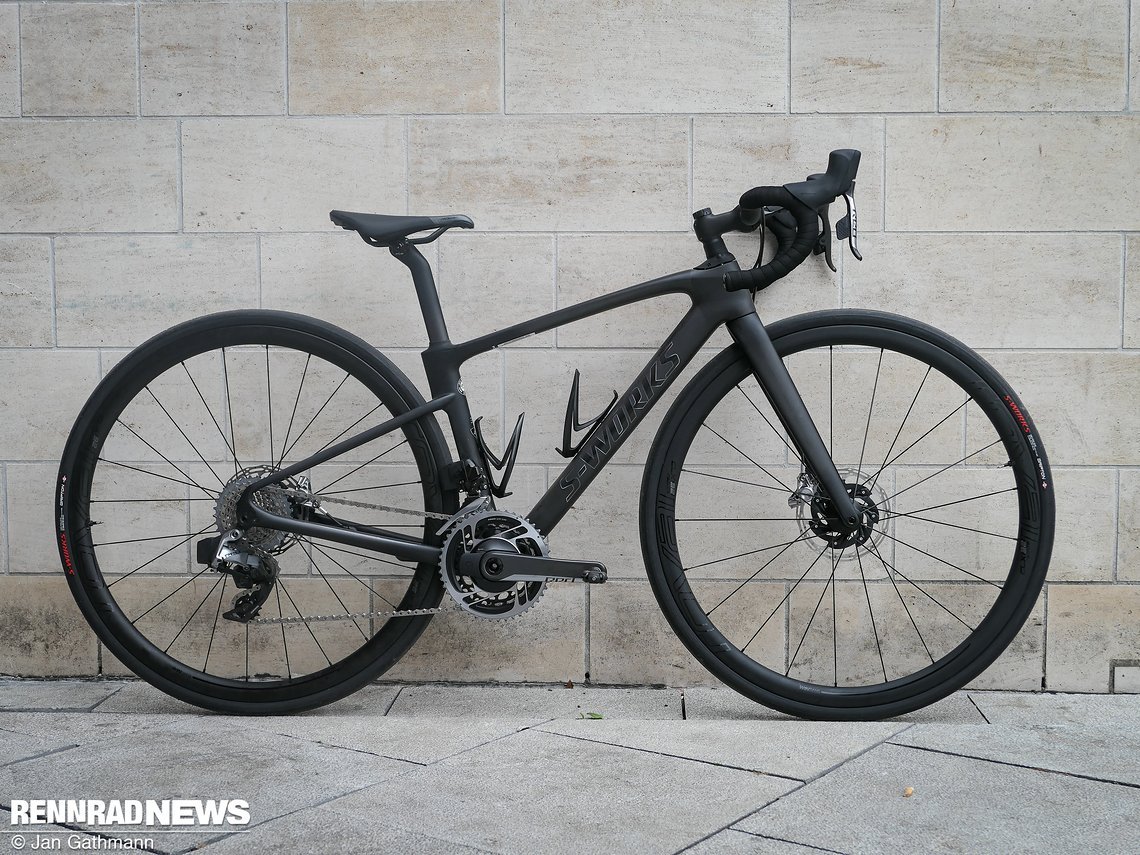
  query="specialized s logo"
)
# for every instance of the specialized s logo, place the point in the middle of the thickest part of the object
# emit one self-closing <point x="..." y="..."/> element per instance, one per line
<point x="626" y="414"/>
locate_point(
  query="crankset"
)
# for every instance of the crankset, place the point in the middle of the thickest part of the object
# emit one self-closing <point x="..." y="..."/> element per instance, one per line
<point x="500" y="566"/>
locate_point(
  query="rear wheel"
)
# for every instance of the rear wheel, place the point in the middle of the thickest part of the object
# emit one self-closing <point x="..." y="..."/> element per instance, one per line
<point x="155" y="465"/>
<point x="767" y="591"/>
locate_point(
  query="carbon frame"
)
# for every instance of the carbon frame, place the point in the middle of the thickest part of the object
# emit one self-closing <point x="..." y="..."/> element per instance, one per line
<point x="711" y="306"/>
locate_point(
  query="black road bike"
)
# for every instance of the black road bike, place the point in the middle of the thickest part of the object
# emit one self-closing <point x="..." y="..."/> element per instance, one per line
<point x="844" y="515"/>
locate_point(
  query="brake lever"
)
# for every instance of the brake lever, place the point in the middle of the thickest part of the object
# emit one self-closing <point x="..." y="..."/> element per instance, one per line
<point x="823" y="244"/>
<point x="848" y="227"/>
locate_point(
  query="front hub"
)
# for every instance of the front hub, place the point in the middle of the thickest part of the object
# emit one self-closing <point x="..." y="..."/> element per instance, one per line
<point x="818" y="516"/>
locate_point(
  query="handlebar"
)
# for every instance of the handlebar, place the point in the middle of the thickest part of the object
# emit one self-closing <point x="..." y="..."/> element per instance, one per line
<point x="802" y="200"/>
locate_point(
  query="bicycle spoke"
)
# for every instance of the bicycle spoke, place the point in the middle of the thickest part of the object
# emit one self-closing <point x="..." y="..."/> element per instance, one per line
<point x="891" y="569"/>
<point x="870" y="409"/>
<point x="160" y="555"/>
<point x="898" y="433"/>
<point x="763" y="566"/>
<point x="332" y="558"/>
<point x="941" y="422"/>
<point x="192" y="614"/>
<point x="178" y="427"/>
<point x="896" y="515"/>
<point x="269" y="395"/>
<point x="217" y="615"/>
<point x="209" y="411"/>
<point x="822" y="594"/>
<point x="735" y="519"/>
<point x="230" y="410"/>
<point x="168" y="596"/>
<point x="772" y="426"/>
<point x="960" y="501"/>
<point x="781" y="603"/>
<point x="305" y="429"/>
<point x="206" y="490"/>
<point x="304" y="620"/>
<point x="943" y="469"/>
<point x="743" y="554"/>
<point x="734" y="480"/>
<point x="335" y="594"/>
<point x="943" y="561"/>
<point x="749" y="459"/>
<point x="404" y="441"/>
<point x="284" y="641"/>
<point x="347" y="429"/>
<point x="894" y="584"/>
<point x="871" y="612"/>
<point x="293" y="415"/>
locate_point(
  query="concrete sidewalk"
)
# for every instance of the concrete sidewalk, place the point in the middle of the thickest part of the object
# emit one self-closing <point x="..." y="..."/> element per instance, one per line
<point x="466" y="769"/>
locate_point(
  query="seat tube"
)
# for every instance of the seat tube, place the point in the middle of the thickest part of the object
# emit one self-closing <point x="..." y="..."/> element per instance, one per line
<point x="749" y="333"/>
<point x="410" y="256"/>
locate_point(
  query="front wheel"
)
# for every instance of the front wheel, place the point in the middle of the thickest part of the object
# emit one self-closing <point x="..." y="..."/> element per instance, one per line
<point x="151" y="477"/>
<point x="957" y="520"/>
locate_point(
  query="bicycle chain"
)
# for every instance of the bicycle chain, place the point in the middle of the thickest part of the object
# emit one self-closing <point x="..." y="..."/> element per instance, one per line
<point x="363" y="615"/>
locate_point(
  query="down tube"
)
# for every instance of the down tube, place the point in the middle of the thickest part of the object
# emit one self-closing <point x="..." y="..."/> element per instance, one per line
<point x="687" y="338"/>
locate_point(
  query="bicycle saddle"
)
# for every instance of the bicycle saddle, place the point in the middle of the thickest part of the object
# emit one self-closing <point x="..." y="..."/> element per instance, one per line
<point x="387" y="229"/>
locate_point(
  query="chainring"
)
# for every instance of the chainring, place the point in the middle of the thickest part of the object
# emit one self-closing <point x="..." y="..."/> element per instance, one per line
<point x="480" y="531"/>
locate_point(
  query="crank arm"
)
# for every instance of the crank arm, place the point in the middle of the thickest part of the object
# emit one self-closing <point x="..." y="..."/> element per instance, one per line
<point x="511" y="567"/>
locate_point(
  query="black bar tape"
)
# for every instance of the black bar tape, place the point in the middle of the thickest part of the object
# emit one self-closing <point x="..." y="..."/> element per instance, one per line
<point x="787" y="257"/>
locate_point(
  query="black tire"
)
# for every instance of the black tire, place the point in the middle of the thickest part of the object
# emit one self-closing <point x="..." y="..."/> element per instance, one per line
<point x="967" y="587"/>
<point x="153" y="450"/>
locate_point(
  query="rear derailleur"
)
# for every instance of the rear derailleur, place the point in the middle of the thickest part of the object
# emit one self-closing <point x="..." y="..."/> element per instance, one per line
<point x="253" y="571"/>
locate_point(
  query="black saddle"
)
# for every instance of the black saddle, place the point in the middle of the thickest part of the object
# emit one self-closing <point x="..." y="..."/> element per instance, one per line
<point x="388" y="229"/>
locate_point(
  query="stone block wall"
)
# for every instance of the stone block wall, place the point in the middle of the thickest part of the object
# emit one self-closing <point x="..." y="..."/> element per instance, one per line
<point x="161" y="160"/>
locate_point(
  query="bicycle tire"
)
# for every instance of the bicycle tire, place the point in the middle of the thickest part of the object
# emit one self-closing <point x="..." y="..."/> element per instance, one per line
<point x="684" y="592"/>
<point x="242" y="338"/>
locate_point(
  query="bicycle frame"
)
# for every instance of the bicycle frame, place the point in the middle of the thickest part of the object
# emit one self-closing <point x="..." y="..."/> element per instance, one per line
<point x="711" y="307"/>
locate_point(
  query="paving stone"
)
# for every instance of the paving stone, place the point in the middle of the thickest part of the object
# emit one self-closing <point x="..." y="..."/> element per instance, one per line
<point x="418" y="740"/>
<point x="352" y="58"/>
<point x="589" y="174"/>
<point x="866" y="56"/>
<point x="25" y="280"/>
<point x="329" y="832"/>
<point x="648" y="56"/>
<point x="78" y="728"/>
<point x="1008" y="55"/>
<point x="78" y="59"/>
<point x="1089" y="627"/>
<point x="1091" y="751"/>
<point x="996" y="808"/>
<point x="1050" y="708"/>
<point x="212" y="58"/>
<point x="287" y="174"/>
<point x="42" y="632"/>
<point x="576" y="797"/>
<point x="51" y="832"/>
<point x="15" y="746"/>
<point x="480" y="270"/>
<point x="733" y="842"/>
<point x="1128" y="522"/>
<point x="967" y="173"/>
<point x="276" y="774"/>
<point x="1132" y="284"/>
<point x="1060" y="390"/>
<point x="546" y="643"/>
<point x="119" y="291"/>
<point x="734" y="153"/>
<point x="725" y="704"/>
<point x="536" y="702"/>
<point x="54" y="694"/>
<point x="10" y="60"/>
<point x="142" y="698"/>
<point x="128" y="181"/>
<point x="793" y="749"/>
<point x="1077" y="295"/>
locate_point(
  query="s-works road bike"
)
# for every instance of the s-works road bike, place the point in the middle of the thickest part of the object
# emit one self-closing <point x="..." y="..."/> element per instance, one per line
<point x="844" y="515"/>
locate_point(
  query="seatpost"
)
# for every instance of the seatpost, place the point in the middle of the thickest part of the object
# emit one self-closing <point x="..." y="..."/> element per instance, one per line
<point x="410" y="256"/>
